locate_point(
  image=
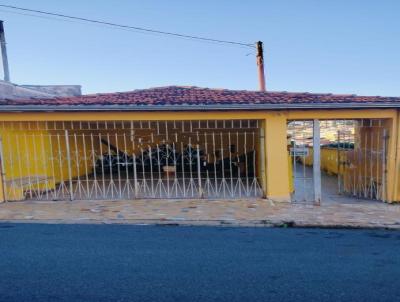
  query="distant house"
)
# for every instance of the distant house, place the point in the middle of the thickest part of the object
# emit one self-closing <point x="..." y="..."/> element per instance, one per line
<point x="189" y="142"/>
<point x="13" y="91"/>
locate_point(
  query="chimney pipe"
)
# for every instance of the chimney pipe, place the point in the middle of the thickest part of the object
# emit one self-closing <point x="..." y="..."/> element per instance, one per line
<point x="4" y="53"/>
<point x="260" y="65"/>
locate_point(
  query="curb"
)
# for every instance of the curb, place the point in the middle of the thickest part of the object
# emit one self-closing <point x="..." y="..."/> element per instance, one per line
<point x="215" y="223"/>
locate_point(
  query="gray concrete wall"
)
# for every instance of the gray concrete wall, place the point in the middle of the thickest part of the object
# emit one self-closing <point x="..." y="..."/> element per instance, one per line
<point x="13" y="91"/>
<point x="56" y="90"/>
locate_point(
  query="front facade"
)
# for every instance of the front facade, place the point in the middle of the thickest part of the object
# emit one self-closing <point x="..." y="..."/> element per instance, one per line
<point x="186" y="142"/>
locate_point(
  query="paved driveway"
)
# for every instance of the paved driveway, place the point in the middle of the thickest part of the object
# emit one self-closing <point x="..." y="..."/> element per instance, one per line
<point x="153" y="263"/>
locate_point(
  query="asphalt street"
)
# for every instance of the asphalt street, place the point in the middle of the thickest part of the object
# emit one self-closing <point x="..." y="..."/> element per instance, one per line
<point x="40" y="262"/>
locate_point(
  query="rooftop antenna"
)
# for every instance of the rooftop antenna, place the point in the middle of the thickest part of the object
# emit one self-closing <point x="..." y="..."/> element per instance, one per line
<point x="260" y="65"/>
<point x="4" y="53"/>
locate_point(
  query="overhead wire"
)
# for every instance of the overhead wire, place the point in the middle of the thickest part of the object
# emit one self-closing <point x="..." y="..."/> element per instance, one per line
<point x="122" y="26"/>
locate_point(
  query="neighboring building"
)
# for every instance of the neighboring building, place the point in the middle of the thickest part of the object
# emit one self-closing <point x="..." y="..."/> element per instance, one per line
<point x="12" y="91"/>
<point x="190" y="142"/>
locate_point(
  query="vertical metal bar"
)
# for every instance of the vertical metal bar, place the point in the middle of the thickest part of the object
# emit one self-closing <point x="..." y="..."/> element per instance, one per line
<point x="176" y="184"/>
<point x="215" y="164"/>
<point x="183" y="169"/>
<point x="365" y="165"/>
<point x="230" y="163"/>
<point x="207" y="182"/>
<point x="85" y="159"/>
<point x="94" y="165"/>
<point x="44" y="161"/>
<point x="52" y="166"/>
<point x="135" y="179"/>
<point x="143" y="172"/>
<point x="359" y="161"/>
<point x="126" y="163"/>
<point x="239" y="177"/>
<point x="317" y="162"/>
<point x="110" y="166"/>
<point x="191" y="162"/>
<point x="60" y="165"/>
<point x="160" y="181"/>
<point x="384" y="198"/>
<point x="254" y="165"/>
<point x="77" y="166"/>
<point x="378" y="159"/>
<point x="303" y="155"/>
<point x="132" y="131"/>
<point x="118" y="166"/>
<point x="166" y="131"/>
<point x="223" y="166"/>
<point x="371" y="176"/>
<point x="102" y="166"/>
<point x="166" y="164"/>
<point x="36" y="167"/>
<point x="246" y="163"/>
<point x="71" y="190"/>
<point x="151" y="172"/>
<point x="199" y="172"/>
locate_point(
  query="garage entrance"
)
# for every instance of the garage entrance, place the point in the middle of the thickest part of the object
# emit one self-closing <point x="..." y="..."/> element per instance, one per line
<point x="132" y="159"/>
<point x="351" y="159"/>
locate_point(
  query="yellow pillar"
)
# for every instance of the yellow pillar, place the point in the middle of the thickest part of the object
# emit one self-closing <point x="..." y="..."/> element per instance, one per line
<point x="392" y="126"/>
<point x="278" y="183"/>
<point x="2" y="197"/>
<point x="396" y="143"/>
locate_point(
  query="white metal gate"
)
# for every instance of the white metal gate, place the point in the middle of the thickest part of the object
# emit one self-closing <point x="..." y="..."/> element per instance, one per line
<point x="300" y="135"/>
<point x="363" y="165"/>
<point x="354" y="152"/>
<point x="132" y="159"/>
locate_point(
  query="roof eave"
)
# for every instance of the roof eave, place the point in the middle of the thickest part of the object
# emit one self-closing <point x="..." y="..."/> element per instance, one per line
<point x="52" y="108"/>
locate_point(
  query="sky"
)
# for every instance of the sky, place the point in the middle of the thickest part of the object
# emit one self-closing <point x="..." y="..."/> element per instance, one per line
<point x="341" y="46"/>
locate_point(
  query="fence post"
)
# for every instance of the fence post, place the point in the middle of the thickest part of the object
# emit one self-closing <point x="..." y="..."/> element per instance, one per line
<point x="199" y="172"/>
<point x="71" y="189"/>
<point x="317" y="162"/>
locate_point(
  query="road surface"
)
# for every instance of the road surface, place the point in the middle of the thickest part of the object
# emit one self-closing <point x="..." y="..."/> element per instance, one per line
<point x="167" y="263"/>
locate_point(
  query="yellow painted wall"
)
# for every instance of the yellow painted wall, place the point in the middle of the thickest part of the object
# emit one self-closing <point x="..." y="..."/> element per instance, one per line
<point x="33" y="156"/>
<point x="278" y="183"/>
<point x="277" y="165"/>
<point x="290" y="169"/>
<point x="329" y="159"/>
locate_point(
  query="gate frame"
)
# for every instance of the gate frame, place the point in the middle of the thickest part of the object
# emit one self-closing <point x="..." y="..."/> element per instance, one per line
<point x="254" y="144"/>
<point x="317" y="162"/>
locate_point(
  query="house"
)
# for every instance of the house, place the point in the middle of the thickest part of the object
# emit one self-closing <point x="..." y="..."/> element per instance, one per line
<point x="10" y="90"/>
<point x="190" y="142"/>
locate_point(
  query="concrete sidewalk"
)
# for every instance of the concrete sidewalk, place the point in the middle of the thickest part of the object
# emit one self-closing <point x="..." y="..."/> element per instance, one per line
<point x="360" y="214"/>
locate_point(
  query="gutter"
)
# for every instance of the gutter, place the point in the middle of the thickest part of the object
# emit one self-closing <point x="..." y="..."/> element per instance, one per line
<point x="63" y="108"/>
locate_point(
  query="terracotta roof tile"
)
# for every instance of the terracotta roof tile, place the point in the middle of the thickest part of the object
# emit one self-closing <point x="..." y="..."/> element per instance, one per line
<point x="183" y="95"/>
